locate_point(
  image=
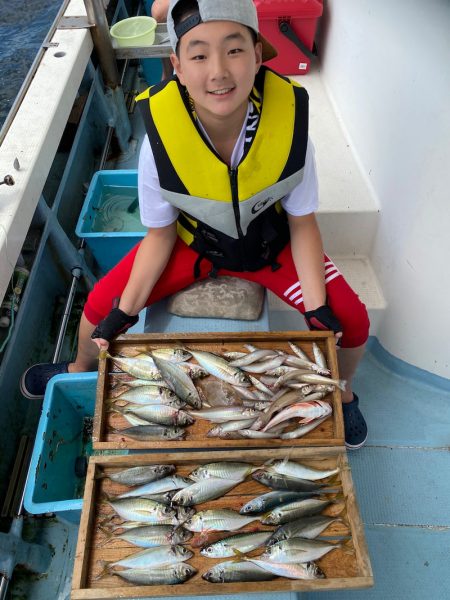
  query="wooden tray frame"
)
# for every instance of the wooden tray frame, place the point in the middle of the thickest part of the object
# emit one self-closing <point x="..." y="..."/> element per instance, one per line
<point x="86" y="551"/>
<point x="329" y="433"/>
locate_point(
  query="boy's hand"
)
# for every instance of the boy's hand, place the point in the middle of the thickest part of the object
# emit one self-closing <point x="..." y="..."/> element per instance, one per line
<point x="110" y="327"/>
<point x="323" y="318"/>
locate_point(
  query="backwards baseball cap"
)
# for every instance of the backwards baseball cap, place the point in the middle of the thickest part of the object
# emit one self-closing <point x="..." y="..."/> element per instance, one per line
<point x="238" y="11"/>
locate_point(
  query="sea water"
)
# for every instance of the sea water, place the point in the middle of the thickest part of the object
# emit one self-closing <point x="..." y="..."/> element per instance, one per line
<point x="118" y="210"/>
<point x="23" y="27"/>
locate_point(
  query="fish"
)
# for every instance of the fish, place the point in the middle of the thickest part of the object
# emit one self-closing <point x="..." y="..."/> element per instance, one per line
<point x="286" y="398"/>
<point x="237" y="471"/>
<point x="320" y="379"/>
<point x="289" y="377"/>
<point x="133" y="382"/>
<point x="217" y="520"/>
<point x="179" y="382"/>
<point x="284" y="482"/>
<point x="233" y="571"/>
<point x="307" y="527"/>
<point x="222" y="414"/>
<point x="149" y="433"/>
<point x="142" y="510"/>
<point x="268" y="501"/>
<point x="293" y="469"/>
<point x="252" y="357"/>
<point x="203" y="490"/>
<point x="223" y="428"/>
<point x="298" y="550"/>
<point x="140" y="475"/>
<point x="172" y="482"/>
<point x="220" y="368"/>
<point x="294" y="510"/>
<point x="150" y="558"/>
<point x="245" y="542"/>
<point x="137" y="367"/>
<point x="159" y="414"/>
<point x="175" y="355"/>
<point x="291" y="571"/>
<point x="308" y="410"/>
<point x="149" y="394"/>
<point x="149" y="536"/>
<point x="263" y="367"/>
<point x="319" y="356"/>
<point x="170" y="575"/>
<point x="219" y="393"/>
<point x="303" y="429"/>
<point x="298" y="351"/>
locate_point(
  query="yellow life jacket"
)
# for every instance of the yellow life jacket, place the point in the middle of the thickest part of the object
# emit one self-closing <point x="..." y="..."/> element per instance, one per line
<point x="233" y="217"/>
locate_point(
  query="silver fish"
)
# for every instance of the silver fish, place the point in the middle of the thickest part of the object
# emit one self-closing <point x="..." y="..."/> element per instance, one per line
<point x="149" y="536"/>
<point x="149" y="433"/>
<point x="319" y="356"/>
<point x="252" y="357"/>
<point x="298" y="351"/>
<point x="297" y="550"/>
<point x="294" y="361"/>
<point x="233" y="571"/>
<point x="203" y="490"/>
<point x="132" y="382"/>
<point x="316" y="378"/>
<point x="284" y="482"/>
<point x="175" y="355"/>
<point x="137" y="367"/>
<point x="160" y="414"/>
<point x="217" y="520"/>
<point x="140" y="475"/>
<point x="148" y="394"/>
<point x="179" y="382"/>
<point x="303" y="429"/>
<point x="159" y="556"/>
<point x="222" y="414"/>
<point x="293" y="469"/>
<point x="268" y="501"/>
<point x="244" y="542"/>
<point x="229" y="426"/>
<point x="306" y="527"/>
<point x="237" y="471"/>
<point x="172" y="482"/>
<point x="294" y="510"/>
<point x="142" y="510"/>
<point x="219" y="367"/>
<point x="263" y="367"/>
<point x="170" y="575"/>
<point x="306" y="409"/>
<point x="291" y="571"/>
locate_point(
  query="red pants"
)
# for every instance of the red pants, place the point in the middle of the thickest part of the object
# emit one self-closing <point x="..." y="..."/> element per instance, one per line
<point x="284" y="282"/>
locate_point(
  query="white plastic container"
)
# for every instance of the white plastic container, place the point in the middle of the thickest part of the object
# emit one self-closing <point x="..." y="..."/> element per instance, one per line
<point x="135" y="31"/>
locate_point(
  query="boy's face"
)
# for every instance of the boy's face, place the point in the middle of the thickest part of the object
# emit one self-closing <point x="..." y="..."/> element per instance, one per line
<point x="217" y="63"/>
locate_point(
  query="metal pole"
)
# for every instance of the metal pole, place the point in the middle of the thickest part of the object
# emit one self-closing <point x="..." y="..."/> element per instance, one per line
<point x="67" y="309"/>
<point x="102" y="42"/>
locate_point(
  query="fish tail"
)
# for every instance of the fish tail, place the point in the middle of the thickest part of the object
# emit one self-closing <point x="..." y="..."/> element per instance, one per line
<point x="105" y="569"/>
<point x="342" y="384"/>
<point x="104" y="354"/>
<point x="238" y="555"/>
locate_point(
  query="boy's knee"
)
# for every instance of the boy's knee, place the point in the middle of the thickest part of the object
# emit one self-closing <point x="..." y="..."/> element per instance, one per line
<point x="356" y="326"/>
<point x="159" y="10"/>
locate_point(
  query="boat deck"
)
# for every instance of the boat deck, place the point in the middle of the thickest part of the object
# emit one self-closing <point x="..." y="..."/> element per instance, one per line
<point x="401" y="481"/>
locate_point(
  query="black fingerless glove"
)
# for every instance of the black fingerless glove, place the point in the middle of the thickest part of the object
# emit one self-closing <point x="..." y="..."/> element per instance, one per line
<point x="114" y="324"/>
<point x="322" y="318"/>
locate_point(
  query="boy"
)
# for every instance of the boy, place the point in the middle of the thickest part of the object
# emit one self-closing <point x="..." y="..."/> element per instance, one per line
<point x="227" y="184"/>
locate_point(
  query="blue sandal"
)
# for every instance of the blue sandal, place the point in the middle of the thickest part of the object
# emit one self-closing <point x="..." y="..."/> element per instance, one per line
<point x="355" y="425"/>
<point x="35" y="379"/>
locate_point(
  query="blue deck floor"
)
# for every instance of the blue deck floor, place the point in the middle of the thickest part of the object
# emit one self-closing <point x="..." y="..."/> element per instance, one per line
<point x="402" y="484"/>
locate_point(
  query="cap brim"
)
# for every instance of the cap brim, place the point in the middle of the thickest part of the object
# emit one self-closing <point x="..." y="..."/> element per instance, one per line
<point x="268" y="51"/>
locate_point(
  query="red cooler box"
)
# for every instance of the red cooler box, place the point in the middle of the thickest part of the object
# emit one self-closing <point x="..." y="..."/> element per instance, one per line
<point x="290" y="25"/>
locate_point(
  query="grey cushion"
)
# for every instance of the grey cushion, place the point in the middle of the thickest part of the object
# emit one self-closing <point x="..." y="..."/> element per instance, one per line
<point x="221" y="298"/>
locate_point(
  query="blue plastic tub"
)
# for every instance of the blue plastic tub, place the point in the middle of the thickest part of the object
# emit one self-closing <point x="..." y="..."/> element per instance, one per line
<point x="63" y="441"/>
<point x="107" y="187"/>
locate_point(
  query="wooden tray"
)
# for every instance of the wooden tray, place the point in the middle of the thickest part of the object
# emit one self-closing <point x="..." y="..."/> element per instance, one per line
<point x="344" y="569"/>
<point x="329" y="433"/>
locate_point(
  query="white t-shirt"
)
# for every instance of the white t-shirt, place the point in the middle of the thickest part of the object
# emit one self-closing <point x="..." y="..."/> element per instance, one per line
<point x="157" y="212"/>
